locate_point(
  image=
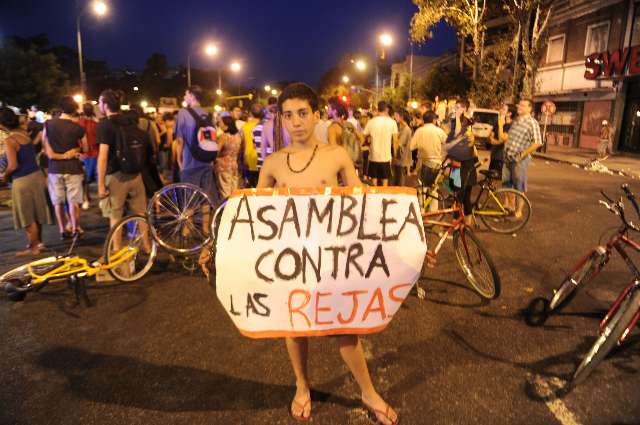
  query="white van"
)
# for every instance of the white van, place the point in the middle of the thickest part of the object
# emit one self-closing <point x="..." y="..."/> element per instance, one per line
<point x="484" y="122"/>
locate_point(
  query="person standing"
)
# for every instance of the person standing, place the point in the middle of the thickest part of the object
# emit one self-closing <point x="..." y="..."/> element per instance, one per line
<point x="89" y="123"/>
<point x="236" y="114"/>
<point x="227" y="161"/>
<point x="383" y="132"/>
<point x="321" y="130"/>
<point x="115" y="187"/>
<point x="309" y="163"/>
<point x="28" y="185"/>
<point x="498" y="137"/>
<point x="604" y="147"/>
<point x="192" y="170"/>
<point x="249" y="148"/>
<point x="64" y="140"/>
<point x="268" y="128"/>
<point x="429" y="142"/>
<point x="402" y="159"/>
<point x="524" y="138"/>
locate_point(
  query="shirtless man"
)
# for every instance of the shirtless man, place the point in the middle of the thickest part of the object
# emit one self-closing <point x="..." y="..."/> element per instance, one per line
<point x="310" y="163"/>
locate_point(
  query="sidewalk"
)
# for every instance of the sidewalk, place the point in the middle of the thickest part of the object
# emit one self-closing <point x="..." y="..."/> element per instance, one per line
<point x="616" y="164"/>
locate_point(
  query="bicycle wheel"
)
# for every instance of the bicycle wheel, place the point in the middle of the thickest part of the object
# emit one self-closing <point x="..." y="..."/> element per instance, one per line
<point x="476" y="264"/>
<point x="609" y="338"/>
<point x="18" y="281"/>
<point x="583" y="273"/>
<point x="129" y="243"/>
<point x="491" y="210"/>
<point x="180" y="217"/>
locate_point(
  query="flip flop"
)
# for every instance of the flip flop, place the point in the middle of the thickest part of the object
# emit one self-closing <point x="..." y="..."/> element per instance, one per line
<point x="377" y="413"/>
<point x="301" y="417"/>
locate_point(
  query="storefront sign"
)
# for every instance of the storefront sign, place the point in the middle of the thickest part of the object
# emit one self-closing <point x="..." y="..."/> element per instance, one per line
<point x="310" y="262"/>
<point x="617" y="63"/>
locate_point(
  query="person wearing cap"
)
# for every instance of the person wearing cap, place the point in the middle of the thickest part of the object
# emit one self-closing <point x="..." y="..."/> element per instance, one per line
<point x="604" y="147"/>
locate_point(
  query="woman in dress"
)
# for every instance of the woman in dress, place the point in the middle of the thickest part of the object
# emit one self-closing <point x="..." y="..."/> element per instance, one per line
<point x="227" y="161"/>
<point x="28" y="186"/>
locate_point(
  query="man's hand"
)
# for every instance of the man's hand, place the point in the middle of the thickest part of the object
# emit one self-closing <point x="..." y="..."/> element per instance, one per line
<point x="103" y="192"/>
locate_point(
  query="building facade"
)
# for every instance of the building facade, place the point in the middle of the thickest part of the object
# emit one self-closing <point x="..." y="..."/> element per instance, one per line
<point x="583" y="36"/>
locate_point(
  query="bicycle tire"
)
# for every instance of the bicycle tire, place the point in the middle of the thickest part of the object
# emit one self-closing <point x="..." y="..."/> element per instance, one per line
<point x="497" y="222"/>
<point x="15" y="289"/>
<point x="179" y="220"/>
<point x="470" y="251"/>
<point x="142" y="262"/>
<point x="609" y="338"/>
<point x="569" y="286"/>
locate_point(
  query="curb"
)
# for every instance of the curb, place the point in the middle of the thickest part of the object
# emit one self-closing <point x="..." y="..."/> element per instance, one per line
<point x="581" y="165"/>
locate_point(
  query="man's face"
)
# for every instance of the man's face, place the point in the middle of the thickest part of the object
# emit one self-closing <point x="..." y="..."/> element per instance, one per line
<point x="524" y="107"/>
<point x="189" y="98"/>
<point x="299" y="119"/>
<point x="236" y="113"/>
<point x="102" y="106"/>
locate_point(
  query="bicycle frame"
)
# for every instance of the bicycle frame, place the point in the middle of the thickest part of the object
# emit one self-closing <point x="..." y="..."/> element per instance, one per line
<point x="456" y="224"/>
<point x="634" y="286"/>
<point x="487" y="186"/>
<point x="76" y="266"/>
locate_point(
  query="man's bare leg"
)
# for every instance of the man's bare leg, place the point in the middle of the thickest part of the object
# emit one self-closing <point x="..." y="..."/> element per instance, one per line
<point x="60" y="217"/>
<point x="353" y="356"/>
<point x="298" y="349"/>
<point x="374" y="181"/>
<point x="385" y="182"/>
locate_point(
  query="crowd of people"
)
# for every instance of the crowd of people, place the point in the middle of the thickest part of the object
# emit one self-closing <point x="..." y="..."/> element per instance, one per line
<point x="72" y="148"/>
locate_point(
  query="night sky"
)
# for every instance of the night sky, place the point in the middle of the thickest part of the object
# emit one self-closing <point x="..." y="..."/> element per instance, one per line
<point x="274" y="39"/>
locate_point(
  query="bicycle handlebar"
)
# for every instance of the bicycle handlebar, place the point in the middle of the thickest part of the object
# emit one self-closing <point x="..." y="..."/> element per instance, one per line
<point x="631" y="197"/>
<point x="618" y="209"/>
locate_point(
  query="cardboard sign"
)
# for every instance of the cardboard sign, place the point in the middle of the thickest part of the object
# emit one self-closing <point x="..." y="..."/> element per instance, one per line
<point x="311" y="262"/>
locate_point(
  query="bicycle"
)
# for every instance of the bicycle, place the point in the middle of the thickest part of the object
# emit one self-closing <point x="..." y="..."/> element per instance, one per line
<point x="592" y="264"/>
<point x="623" y="315"/>
<point x="473" y="259"/>
<point x="489" y="203"/>
<point x="176" y="218"/>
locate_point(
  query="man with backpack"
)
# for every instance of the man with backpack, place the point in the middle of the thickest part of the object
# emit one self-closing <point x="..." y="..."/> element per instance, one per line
<point x="196" y="153"/>
<point x="251" y="134"/>
<point x="342" y="132"/>
<point x="122" y="155"/>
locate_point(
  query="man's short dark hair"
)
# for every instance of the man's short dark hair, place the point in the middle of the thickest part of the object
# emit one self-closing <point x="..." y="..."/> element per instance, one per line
<point x="390" y="109"/>
<point x="382" y="106"/>
<point x="112" y="99"/>
<point x="464" y="102"/>
<point x="427" y="105"/>
<point x="272" y="100"/>
<point x="299" y="91"/>
<point x="8" y="118"/>
<point x="197" y="92"/>
<point x="257" y="111"/>
<point x="87" y="110"/>
<point x="405" y="115"/>
<point x="231" y="124"/>
<point x="68" y="105"/>
<point x="429" y="117"/>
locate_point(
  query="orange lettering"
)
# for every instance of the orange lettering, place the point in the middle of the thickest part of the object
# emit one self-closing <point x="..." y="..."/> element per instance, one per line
<point x="377" y="295"/>
<point x="354" y="310"/>
<point x="319" y="309"/>
<point x="307" y="298"/>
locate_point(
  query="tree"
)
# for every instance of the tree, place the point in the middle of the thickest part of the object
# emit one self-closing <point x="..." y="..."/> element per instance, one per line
<point x="445" y="82"/>
<point x="466" y="16"/>
<point x="29" y="77"/>
<point x="493" y="84"/>
<point x="153" y="77"/>
<point x="530" y="19"/>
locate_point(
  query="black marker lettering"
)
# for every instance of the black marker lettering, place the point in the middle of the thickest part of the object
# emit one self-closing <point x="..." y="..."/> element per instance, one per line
<point x="313" y="209"/>
<point x="378" y="260"/>
<point x="290" y="209"/>
<point x="296" y="267"/>
<point x="257" y="267"/>
<point x="346" y="212"/>
<point x="355" y="251"/>
<point x="237" y="219"/>
<point x="267" y="222"/>
<point x="336" y="252"/>
<point x="316" y="267"/>
<point x="384" y="220"/>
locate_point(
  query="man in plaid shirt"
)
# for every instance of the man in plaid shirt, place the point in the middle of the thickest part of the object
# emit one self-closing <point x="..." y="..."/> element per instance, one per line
<point x="524" y="139"/>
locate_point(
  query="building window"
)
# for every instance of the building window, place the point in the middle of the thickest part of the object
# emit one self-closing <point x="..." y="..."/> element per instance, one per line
<point x="597" y="38"/>
<point x="555" y="49"/>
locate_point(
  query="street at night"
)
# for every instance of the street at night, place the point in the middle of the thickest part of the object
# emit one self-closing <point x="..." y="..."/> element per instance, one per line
<point x="162" y="350"/>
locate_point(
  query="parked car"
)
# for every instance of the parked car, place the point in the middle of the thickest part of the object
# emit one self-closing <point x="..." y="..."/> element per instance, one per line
<point x="484" y="122"/>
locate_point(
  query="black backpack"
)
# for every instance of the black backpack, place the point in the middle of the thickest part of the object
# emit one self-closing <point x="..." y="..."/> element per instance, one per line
<point x="204" y="148"/>
<point x="131" y="148"/>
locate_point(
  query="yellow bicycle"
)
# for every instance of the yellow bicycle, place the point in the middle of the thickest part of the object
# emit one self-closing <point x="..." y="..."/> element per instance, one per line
<point x="177" y="219"/>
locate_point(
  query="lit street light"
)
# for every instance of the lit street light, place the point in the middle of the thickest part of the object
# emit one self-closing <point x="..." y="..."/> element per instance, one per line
<point x="267" y="88"/>
<point x="78" y="98"/>
<point x="345" y="79"/>
<point x="414" y="105"/>
<point x="219" y="92"/>
<point x="386" y="39"/>
<point x="144" y="104"/>
<point x="361" y="65"/>
<point x="235" y="66"/>
<point x="135" y="88"/>
<point x="99" y="9"/>
<point x="210" y="50"/>
<point x="274" y="92"/>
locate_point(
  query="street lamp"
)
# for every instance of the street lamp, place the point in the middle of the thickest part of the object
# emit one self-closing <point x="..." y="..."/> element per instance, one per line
<point x="345" y="79"/>
<point x="219" y="92"/>
<point x="235" y="67"/>
<point x="99" y="9"/>
<point x="267" y="88"/>
<point x="274" y="92"/>
<point x="135" y="88"/>
<point x="361" y="65"/>
<point x="210" y="50"/>
<point x="144" y="104"/>
<point x="78" y="98"/>
<point x="385" y="40"/>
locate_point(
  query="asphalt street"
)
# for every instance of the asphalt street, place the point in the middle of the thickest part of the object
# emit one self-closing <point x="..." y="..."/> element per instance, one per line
<point x="163" y="350"/>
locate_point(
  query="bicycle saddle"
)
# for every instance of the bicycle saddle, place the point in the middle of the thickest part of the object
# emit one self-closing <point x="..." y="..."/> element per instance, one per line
<point x="490" y="174"/>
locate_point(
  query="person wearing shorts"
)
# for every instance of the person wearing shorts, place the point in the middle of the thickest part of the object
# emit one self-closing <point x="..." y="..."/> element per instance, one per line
<point x="115" y="188"/>
<point x="383" y="131"/>
<point x="64" y="140"/>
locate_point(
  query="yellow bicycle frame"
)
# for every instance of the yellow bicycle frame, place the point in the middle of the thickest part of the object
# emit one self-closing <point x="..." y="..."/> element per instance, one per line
<point x="503" y="211"/>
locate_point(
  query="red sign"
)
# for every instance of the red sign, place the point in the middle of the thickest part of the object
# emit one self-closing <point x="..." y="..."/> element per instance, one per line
<point x="548" y="108"/>
<point x="616" y="63"/>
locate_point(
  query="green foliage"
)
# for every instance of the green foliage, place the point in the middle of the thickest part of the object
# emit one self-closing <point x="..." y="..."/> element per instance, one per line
<point x="444" y="82"/>
<point x="493" y="83"/>
<point x="29" y="77"/>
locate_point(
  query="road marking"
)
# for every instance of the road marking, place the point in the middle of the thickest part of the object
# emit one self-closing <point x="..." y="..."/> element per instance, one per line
<point x="554" y="404"/>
